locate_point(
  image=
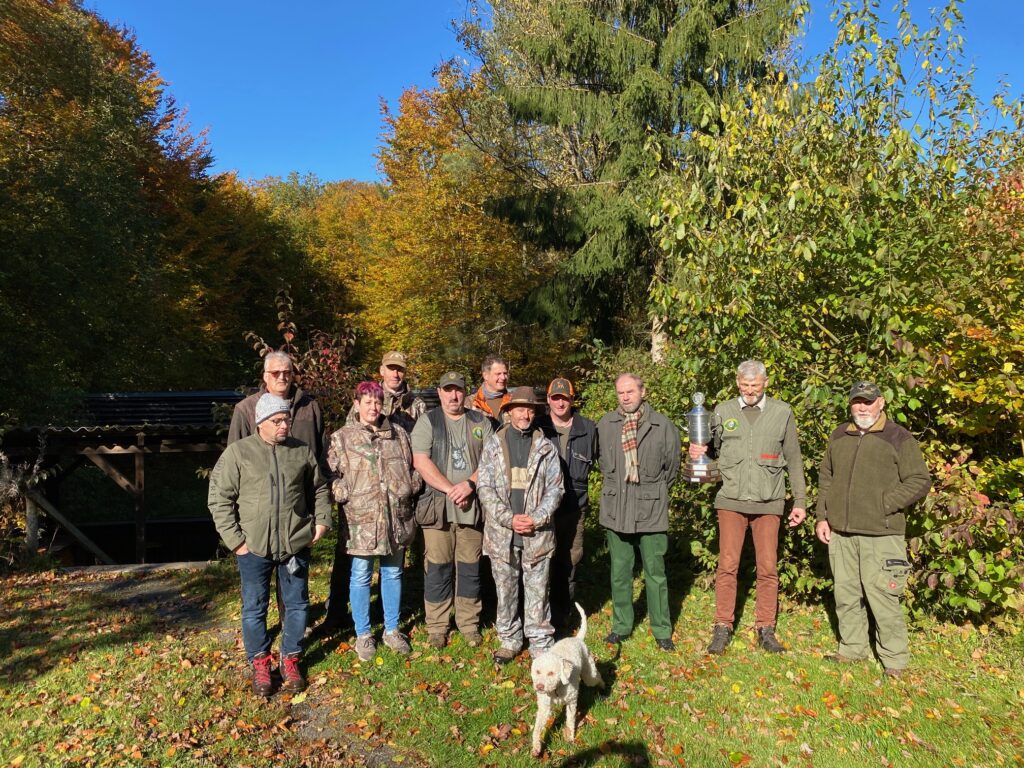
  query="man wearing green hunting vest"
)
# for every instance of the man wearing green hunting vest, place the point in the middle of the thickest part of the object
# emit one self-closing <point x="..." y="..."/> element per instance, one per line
<point x="871" y="474"/>
<point x="756" y="443"/>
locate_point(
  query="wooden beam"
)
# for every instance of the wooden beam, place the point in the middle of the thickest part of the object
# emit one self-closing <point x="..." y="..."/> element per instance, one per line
<point x="112" y="472"/>
<point x="84" y="540"/>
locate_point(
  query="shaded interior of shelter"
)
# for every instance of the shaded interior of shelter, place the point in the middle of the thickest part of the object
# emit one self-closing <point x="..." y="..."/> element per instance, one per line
<point x="127" y="479"/>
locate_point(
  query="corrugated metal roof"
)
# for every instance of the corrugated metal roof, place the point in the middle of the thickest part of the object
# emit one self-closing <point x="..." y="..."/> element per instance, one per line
<point x="164" y="409"/>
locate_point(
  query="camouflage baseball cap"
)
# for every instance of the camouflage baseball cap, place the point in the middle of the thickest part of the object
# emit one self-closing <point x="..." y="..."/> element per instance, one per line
<point x="452" y="378"/>
<point x="866" y="390"/>
<point x="394" y="358"/>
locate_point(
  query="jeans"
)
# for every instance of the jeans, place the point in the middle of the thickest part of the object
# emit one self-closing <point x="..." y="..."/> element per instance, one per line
<point x="390" y="590"/>
<point x="254" y="572"/>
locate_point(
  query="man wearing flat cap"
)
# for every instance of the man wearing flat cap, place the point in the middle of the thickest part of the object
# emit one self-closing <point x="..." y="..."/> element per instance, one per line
<point x="261" y="492"/>
<point x="576" y="438"/>
<point x="520" y="487"/>
<point x="446" y="446"/>
<point x="871" y="474"/>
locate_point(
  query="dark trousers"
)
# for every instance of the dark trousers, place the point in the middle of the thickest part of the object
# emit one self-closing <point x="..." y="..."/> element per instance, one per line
<point x="254" y="573"/>
<point x="338" y="614"/>
<point x="568" y="554"/>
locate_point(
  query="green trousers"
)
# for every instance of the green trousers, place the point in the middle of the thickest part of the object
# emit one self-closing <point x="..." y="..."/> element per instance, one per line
<point x="870" y="572"/>
<point x="621" y="549"/>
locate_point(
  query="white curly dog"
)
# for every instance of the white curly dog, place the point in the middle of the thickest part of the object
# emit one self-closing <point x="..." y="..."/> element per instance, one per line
<point x="556" y="675"/>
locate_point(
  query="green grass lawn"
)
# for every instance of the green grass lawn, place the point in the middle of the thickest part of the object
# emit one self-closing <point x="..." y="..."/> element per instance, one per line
<point x="105" y="670"/>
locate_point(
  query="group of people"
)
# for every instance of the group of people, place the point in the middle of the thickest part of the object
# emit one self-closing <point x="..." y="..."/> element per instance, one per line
<point x="504" y="475"/>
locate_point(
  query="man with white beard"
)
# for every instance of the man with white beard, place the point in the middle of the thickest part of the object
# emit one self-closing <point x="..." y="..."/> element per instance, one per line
<point x="872" y="472"/>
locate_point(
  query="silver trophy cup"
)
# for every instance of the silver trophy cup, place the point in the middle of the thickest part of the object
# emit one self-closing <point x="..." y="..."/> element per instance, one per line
<point x="699" y="426"/>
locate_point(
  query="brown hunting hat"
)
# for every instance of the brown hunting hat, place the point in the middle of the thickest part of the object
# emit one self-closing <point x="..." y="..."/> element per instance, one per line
<point x="522" y="396"/>
<point x="866" y="390"/>
<point x="394" y="358"/>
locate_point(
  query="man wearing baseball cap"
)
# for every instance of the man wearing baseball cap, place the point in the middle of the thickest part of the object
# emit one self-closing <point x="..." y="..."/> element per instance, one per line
<point x="576" y="438"/>
<point x="401" y="405"/>
<point x="446" y="447"/>
<point x="871" y="474"/>
<point x="520" y="488"/>
<point x="260" y="494"/>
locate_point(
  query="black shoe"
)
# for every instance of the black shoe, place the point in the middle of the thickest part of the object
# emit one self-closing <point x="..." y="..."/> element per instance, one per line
<point x="614" y="638"/>
<point x="766" y="639"/>
<point x="720" y="637"/>
<point x="666" y="644"/>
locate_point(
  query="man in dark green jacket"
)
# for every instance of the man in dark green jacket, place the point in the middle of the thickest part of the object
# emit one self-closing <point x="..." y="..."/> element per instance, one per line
<point x="269" y="501"/>
<point x="639" y="462"/>
<point x="872" y="472"/>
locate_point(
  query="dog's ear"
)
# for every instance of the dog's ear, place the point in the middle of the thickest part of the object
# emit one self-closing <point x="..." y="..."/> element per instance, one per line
<point x="567" y="670"/>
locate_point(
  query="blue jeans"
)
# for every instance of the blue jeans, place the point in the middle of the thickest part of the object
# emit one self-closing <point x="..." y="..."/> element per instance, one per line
<point x="254" y="572"/>
<point x="390" y="590"/>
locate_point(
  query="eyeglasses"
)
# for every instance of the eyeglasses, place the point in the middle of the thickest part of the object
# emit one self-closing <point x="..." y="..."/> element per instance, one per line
<point x="286" y="373"/>
<point x="281" y="420"/>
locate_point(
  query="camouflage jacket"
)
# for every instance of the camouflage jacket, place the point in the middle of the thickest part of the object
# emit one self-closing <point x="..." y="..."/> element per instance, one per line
<point x="374" y="484"/>
<point x="401" y="408"/>
<point x="543" y="494"/>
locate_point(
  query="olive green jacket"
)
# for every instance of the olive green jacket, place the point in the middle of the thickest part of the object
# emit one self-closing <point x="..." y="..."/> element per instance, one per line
<point x="755" y="458"/>
<point x="268" y="497"/>
<point x="868" y="479"/>
<point x="638" y="507"/>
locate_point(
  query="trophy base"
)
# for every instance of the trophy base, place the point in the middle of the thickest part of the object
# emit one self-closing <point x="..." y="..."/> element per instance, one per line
<point x="701" y="473"/>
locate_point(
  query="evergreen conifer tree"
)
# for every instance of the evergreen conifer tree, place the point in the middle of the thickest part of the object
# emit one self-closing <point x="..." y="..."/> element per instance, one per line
<point x="590" y="99"/>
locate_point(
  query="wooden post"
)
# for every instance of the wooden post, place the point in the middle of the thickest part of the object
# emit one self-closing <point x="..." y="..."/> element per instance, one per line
<point x="140" y="501"/>
<point x="31" y="526"/>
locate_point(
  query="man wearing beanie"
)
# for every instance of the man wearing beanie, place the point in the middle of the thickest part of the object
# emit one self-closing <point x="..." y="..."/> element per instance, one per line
<point x="871" y="474"/>
<point x="520" y="485"/>
<point x="260" y="491"/>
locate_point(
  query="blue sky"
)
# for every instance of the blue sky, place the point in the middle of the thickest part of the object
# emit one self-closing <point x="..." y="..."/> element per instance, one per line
<point x="284" y="87"/>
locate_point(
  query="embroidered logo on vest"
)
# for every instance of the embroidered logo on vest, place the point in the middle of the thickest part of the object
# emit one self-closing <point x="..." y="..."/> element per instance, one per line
<point x="731" y="425"/>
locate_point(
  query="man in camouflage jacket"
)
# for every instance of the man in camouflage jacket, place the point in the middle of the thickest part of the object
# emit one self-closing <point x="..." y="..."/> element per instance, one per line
<point x="520" y="487"/>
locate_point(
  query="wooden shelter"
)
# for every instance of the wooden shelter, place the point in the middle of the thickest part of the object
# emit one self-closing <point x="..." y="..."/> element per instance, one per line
<point x="138" y="424"/>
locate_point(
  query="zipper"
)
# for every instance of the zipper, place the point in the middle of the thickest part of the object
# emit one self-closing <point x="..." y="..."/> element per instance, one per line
<point x="275" y="486"/>
<point x="849" y="480"/>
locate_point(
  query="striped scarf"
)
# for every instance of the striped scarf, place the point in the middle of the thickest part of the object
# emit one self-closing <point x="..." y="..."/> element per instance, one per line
<point x="630" y="425"/>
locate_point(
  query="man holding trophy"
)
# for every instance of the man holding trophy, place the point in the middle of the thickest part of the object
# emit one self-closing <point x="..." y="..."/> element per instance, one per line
<point x="755" y="441"/>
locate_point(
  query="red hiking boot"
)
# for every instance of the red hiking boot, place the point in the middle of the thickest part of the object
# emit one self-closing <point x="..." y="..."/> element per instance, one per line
<point x="262" y="685"/>
<point x="293" y="679"/>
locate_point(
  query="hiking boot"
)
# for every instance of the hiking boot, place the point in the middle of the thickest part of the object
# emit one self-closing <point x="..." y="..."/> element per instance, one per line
<point x="665" y="644"/>
<point x="614" y="638"/>
<point x="437" y="641"/>
<point x="366" y="648"/>
<point x="720" y="637"/>
<point x="396" y="641"/>
<point x="838" y="658"/>
<point x="894" y="673"/>
<point x="767" y="640"/>
<point x="291" y="674"/>
<point x="504" y="655"/>
<point x="262" y="684"/>
<point x="473" y="639"/>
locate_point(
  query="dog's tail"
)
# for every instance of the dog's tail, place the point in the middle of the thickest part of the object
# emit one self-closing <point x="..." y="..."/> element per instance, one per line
<point x="582" y="634"/>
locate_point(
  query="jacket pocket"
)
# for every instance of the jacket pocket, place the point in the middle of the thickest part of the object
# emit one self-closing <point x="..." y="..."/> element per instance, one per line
<point x="649" y="500"/>
<point x="773" y="480"/>
<point x="426" y="509"/>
